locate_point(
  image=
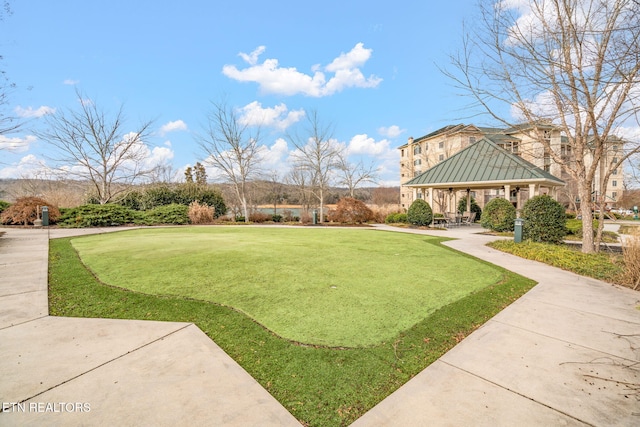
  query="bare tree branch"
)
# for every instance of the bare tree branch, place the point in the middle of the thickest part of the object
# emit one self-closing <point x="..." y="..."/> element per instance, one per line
<point x="94" y="147"/>
<point x="574" y="64"/>
<point x="233" y="149"/>
<point x="317" y="154"/>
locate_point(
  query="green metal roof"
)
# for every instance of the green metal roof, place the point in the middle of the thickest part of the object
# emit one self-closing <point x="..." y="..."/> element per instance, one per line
<point x="483" y="164"/>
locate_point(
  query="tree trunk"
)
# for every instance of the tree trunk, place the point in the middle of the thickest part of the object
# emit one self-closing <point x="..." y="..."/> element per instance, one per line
<point x="587" y="218"/>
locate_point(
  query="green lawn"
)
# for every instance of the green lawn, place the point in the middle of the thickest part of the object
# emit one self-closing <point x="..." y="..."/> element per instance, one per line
<point x="320" y="386"/>
<point x="332" y="287"/>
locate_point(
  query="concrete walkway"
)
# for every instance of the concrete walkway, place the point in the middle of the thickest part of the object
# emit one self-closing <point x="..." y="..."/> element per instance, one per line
<point x="567" y="353"/>
<point x="58" y="371"/>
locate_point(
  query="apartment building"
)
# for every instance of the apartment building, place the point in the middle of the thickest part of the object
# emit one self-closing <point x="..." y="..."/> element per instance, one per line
<point x="524" y="141"/>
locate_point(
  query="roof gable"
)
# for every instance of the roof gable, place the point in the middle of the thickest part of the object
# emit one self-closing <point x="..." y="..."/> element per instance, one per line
<point x="483" y="162"/>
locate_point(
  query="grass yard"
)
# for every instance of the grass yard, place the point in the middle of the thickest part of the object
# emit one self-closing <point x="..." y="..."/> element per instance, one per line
<point x="331" y="287"/>
<point x="319" y="385"/>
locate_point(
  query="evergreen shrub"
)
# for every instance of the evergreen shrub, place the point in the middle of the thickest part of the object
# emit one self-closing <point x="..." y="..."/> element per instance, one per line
<point x="498" y="215"/>
<point x="544" y="220"/>
<point x="97" y="216"/>
<point x="174" y="214"/>
<point x="420" y="213"/>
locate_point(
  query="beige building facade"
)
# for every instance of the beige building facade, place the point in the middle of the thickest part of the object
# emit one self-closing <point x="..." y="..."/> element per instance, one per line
<point x="420" y="154"/>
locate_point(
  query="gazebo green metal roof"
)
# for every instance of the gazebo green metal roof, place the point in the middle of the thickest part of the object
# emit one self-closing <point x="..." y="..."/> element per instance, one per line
<point x="483" y="165"/>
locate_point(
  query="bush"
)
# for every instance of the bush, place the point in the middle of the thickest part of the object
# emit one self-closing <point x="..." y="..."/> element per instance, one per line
<point x="276" y="218"/>
<point x="259" y="217"/>
<point x="395" y="218"/>
<point x="420" y="213"/>
<point x="97" y="216"/>
<point x="132" y="200"/>
<point x="498" y="215"/>
<point x="4" y="205"/>
<point x="544" y="220"/>
<point x="351" y="211"/>
<point x="25" y="211"/>
<point x="170" y="214"/>
<point x="201" y="213"/>
<point x="183" y="194"/>
<point x="462" y="206"/>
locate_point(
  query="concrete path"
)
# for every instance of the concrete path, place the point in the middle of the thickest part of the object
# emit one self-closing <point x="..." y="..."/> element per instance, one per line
<point x="567" y="353"/>
<point x="58" y="371"/>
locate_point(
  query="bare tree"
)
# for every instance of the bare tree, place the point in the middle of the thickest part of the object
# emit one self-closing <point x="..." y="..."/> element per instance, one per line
<point x="316" y="153"/>
<point x="301" y="179"/>
<point x="232" y="148"/>
<point x="94" y="147"/>
<point x="351" y="175"/>
<point x="572" y="63"/>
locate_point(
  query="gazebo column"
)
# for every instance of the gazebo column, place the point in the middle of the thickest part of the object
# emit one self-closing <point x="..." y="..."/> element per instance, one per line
<point x="507" y="192"/>
<point x="468" y="200"/>
<point x="415" y="194"/>
<point x="430" y="195"/>
<point x="532" y="190"/>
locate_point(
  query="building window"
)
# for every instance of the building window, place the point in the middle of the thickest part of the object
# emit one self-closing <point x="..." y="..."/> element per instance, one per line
<point x="417" y="162"/>
<point x="472" y="140"/>
<point x="614" y="183"/>
<point x="417" y="150"/>
<point x="615" y="160"/>
<point x="441" y="157"/>
<point x="615" y="172"/>
<point x="515" y="148"/>
<point x="417" y="172"/>
<point x="546" y="135"/>
<point x="441" y="144"/>
<point x="614" y="195"/>
<point x="402" y="152"/>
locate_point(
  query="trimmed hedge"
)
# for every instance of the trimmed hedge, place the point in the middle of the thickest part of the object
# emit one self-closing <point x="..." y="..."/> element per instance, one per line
<point x="498" y="215"/>
<point x="544" y="220"/>
<point x="97" y="216"/>
<point x="396" y="218"/>
<point x="170" y="214"/>
<point x="420" y="213"/>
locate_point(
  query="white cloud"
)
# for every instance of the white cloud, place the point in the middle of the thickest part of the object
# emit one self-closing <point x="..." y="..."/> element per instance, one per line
<point x="289" y="81"/>
<point x="172" y="127"/>
<point x="17" y="145"/>
<point x="70" y="82"/>
<point x="252" y="58"/>
<point x="278" y="117"/>
<point x="363" y="144"/>
<point x="27" y="167"/>
<point x="391" y="131"/>
<point x="29" y="112"/>
<point x="273" y="157"/>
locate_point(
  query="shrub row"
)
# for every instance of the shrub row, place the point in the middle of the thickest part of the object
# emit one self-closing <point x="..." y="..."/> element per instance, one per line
<point x="111" y="215"/>
<point x="181" y="194"/>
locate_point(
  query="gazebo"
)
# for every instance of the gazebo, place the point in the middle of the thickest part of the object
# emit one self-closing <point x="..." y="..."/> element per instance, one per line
<point x="483" y="165"/>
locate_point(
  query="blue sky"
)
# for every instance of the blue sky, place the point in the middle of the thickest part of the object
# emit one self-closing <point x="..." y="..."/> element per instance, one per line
<point x="368" y="68"/>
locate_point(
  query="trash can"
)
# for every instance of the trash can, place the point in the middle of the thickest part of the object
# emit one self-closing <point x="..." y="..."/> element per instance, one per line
<point x="45" y="216"/>
<point x="315" y="216"/>
<point x="517" y="230"/>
